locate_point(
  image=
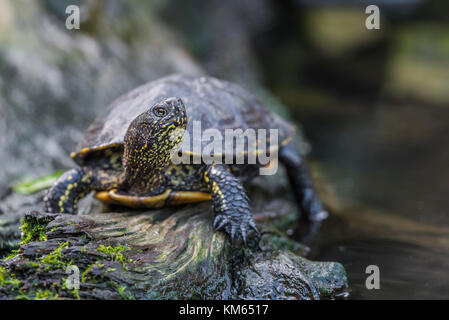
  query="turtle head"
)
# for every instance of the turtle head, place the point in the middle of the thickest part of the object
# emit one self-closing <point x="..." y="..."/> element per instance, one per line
<point x="149" y="141"/>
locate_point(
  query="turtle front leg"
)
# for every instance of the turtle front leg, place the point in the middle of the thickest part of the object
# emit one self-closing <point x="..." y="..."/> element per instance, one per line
<point x="230" y="203"/>
<point x="73" y="185"/>
<point x="303" y="190"/>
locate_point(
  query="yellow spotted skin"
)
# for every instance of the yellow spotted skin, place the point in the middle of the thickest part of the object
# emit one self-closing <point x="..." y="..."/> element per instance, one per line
<point x="186" y="177"/>
<point x="77" y="183"/>
<point x="149" y="142"/>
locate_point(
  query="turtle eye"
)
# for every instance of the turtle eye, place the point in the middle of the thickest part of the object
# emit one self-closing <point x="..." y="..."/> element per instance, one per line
<point x="160" y="111"/>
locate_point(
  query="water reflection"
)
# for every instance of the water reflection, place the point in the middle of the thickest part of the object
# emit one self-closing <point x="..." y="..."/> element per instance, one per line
<point x="407" y="271"/>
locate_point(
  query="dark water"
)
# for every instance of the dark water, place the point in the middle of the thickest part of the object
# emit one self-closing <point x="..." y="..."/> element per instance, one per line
<point x="406" y="271"/>
<point x="392" y="178"/>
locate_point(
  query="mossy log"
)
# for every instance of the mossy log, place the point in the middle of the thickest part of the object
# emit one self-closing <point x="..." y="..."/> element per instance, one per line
<point x="171" y="253"/>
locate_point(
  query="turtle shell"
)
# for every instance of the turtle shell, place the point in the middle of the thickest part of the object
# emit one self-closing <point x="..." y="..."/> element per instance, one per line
<point x="217" y="104"/>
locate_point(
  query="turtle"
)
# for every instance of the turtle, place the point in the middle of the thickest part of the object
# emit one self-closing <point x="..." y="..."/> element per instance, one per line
<point x="127" y="155"/>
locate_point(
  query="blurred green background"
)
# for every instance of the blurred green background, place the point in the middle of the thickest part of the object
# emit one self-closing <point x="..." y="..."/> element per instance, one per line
<point x="374" y="105"/>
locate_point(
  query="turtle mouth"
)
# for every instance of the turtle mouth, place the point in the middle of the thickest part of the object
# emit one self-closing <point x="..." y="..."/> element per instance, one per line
<point x="179" y="118"/>
<point x="173" y="128"/>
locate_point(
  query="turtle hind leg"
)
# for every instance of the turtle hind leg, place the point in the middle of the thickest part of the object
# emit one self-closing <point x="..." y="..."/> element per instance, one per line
<point x="73" y="185"/>
<point x="312" y="212"/>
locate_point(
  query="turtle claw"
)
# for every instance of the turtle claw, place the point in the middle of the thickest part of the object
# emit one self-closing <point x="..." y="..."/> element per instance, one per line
<point x="232" y="233"/>
<point x="235" y="228"/>
<point x="216" y="221"/>
<point x="253" y="226"/>
<point x="220" y="222"/>
<point x="244" y="235"/>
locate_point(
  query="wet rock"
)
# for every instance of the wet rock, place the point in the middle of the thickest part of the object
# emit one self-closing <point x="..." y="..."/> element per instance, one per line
<point x="280" y="274"/>
<point x="14" y="207"/>
<point x="159" y="254"/>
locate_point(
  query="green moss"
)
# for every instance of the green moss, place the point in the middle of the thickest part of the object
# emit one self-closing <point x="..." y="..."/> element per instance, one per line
<point x="39" y="294"/>
<point x="48" y="294"/>
<point x="122" y="291"/>
<point x="112" y="251"/>
<point x="32" y="264"/>
<point x="11" y="255"/>
<point x="45" y="295"/>
<point x="55" y="228"/>
<point x="55" y="259"/>
<point x="33" y="229"/>
<point x="109" y="270"/>
<point x="30" y="186"/>
<point x="115" y="253"/>
<point x="8" y="280"/>
<point x="84" y="274"/>
<point x="75" y="294"/>
<point x="23" y="296"/>
<point x="89" y="268"/>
